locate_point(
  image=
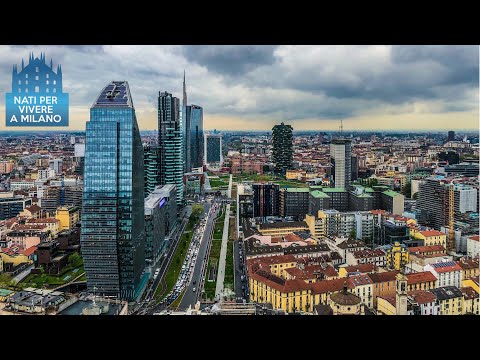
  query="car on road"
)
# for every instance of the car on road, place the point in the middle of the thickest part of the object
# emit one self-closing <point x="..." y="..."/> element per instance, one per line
<point x="194" y="289"/>
<point x="194" y="282"/>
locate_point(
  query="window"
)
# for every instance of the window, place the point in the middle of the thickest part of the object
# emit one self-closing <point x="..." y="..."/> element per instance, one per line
<point x="37" y="89"/>
<point x="36" y="69"/>
<point x="26" y="76"/>
<point x="19" y="90"/>
<point x="26" y="90"/>
<point x="54" y="82"/>
<point x="54" y="90"/>
<point x="26" y="82"/>
<point x="47" y="76"/>
<point x="47" y="90"/>
<point x="46" y="82"/>
<point x="19" y="82"/>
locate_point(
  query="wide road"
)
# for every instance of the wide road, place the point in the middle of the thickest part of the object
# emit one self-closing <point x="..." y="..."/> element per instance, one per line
<point x="164" y="262"/>
<point x="239" y="269"/>
<point x="190" y="297"/>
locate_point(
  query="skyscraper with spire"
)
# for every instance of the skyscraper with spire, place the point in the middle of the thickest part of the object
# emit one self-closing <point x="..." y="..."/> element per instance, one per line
<point x="193" y="138"/>
<point x="184" y="101"/>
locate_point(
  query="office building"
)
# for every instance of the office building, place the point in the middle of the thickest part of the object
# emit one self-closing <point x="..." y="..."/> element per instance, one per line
<point x="193" y="137"/>
<point x="451" y="156"/>
<point x="463" y="169"/>
<point x="11" y="205"/>
<point x="451" y="136"/>
<point x="155" y="214"/>
<point x="170" y="140"/>
<point x="79" y="158"/>
<point x="57" y="165"/>
<point x="318" y="200"/>
<point x="341" y="159"/>
<point x="213" y="148"/>
<point x="266" y="199"/>
<point x="113" y="230"/>
<point x="433" y="203"/>
<point x="244" y="205"/>
<point x="169" y="193"/>
<point x="282" y="139"/>
<point x="151" y="156"/>
<point x="294" y="202"/>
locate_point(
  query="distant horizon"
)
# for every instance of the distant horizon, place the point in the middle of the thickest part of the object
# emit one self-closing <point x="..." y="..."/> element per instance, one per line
<point x="377" y="87"/>
<point x="346" y="132"/>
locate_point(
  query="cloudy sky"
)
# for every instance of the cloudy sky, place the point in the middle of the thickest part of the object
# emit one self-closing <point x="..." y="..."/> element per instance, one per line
<point x="255" y="87"/>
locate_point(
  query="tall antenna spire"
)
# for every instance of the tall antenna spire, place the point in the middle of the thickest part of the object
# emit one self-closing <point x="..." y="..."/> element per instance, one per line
<point x="184" y="102"/>
<point x="341" y="127"/>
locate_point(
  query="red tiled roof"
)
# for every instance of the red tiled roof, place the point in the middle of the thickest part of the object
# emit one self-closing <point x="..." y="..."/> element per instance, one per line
<point x="328" y="286"/>
<point x="43" y="221"/>
<point x="422" y="296"/>
<point x="469" y="293"/>
<point x="357" y="280"/>
<point x="21" y="227"/>
<point x="368" y="253"/>
<point x="378" y="211"/>
<point x="474" y="238"/>
<point x="420" y="277"/>
<point x="29" y="251"/>
<point x="34" y="208"/>
<point x="362" y="268"/>
<point x="428" y="233"/>
<point x="422" y="249"/>
<point x="385" y="276"/>
<point x="467" y="264"/>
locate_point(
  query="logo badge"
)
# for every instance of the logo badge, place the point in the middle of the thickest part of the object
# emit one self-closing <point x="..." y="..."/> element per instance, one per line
<point x="36" y="98"/>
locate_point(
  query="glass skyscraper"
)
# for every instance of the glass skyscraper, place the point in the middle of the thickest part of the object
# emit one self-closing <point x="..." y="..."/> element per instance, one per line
<point x="193" y="116"/>
<point x="170" y="140"/>
<point x="151" y="155"/>
<point x="113" y="238"/>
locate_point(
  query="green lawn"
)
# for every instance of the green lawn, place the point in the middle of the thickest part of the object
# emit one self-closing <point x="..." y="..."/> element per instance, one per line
<point x="212" y="261"/>
<point x="216" y="183"/>
<point x="228" y="281"/>
<point x="67" y="274"/>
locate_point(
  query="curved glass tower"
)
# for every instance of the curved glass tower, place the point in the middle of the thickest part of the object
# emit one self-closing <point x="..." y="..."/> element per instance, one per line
<point x="112" y="238"/>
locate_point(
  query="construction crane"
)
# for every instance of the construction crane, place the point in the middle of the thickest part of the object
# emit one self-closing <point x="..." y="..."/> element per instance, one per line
<point x="451" y="203"/>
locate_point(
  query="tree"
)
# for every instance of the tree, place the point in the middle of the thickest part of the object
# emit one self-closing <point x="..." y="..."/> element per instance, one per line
<point x="407" y="189"/>
<point x="353" y="234"/>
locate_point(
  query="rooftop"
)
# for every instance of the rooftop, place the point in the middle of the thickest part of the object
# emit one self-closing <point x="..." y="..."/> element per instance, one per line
<point x="420" y="277"/>
<point x="115" y="94"/>
<point x="297" y="189"/>
<point x="424" y="249"/>
<point x="422" y="296"/>
<point x="319" y="194"/>
<point x="283" y="225"/>
<point x="327" y="190"/>
<point x="428" y="233"/>
<point x="391" y="193"/>
<point x="447" y="292"/>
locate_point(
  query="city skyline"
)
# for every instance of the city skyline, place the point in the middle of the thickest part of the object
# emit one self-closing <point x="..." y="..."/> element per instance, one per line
<point x="256" y="87"/>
